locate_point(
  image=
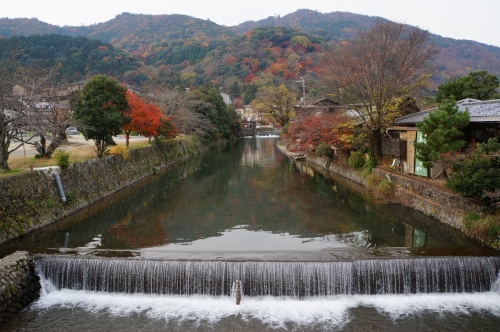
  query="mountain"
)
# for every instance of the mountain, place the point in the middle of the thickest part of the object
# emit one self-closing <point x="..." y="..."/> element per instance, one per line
<point x="182" y="50"/>
<point x="77" y="56"/>
<point x="131" y="32"/>
<point x="457" y="57"/>
<point x="335" y="26"/>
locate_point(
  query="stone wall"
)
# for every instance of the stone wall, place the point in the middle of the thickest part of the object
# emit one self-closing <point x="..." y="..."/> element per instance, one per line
<point x="442" y="205"/>
<point x="29" y="201"/>
<point x="19" y="286"/>
<point x="343" y="171"/>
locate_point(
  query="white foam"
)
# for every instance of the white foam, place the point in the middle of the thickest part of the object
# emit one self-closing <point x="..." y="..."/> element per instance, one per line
<point x="272" y="311"/>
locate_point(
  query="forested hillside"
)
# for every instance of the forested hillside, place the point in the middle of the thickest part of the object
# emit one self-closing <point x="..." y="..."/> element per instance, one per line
<point x="77" y="56"/>
<point x="457" y="57"/>
<point x="182" y="50"/>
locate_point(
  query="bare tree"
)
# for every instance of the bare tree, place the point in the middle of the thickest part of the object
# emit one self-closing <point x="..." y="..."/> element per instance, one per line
<point x="21" y="94"/>
<point x="186" y="112"/>
<point x="51" y="119"/>
<point x="379" y="65"/>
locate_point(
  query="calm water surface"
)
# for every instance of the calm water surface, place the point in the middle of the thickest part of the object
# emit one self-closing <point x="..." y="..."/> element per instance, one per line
<point x="246" y="199"/>
<point x="249" y="202"/>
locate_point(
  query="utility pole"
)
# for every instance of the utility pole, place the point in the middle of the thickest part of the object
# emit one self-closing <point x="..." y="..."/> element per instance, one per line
<point x="303" y="90"/>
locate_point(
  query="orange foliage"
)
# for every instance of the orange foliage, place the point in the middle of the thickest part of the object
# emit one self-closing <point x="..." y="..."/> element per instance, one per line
<point x="249" y="78"/>
<point x="228" y="60"/>
<point x="144" y="117"/>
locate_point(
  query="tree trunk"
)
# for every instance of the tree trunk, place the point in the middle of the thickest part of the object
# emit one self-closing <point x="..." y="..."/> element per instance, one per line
<point x="127" y="136"/>
<point x="376" y="145"/>
<point x="100" y="147"/>
<point x="54" y="144"/>
<point x="4" y="166"/>
<point x="4" y="154"/>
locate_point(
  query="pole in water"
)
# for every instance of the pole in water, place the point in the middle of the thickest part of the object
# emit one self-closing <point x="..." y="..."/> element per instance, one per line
<point x="237" y="291"/>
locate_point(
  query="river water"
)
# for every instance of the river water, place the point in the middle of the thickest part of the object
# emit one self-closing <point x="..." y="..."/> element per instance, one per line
<point x="249" y="203"/>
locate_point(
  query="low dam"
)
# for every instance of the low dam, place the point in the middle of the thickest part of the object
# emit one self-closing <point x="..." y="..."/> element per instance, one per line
<point x="296" y="280"/>
<point x="307" y="252"/>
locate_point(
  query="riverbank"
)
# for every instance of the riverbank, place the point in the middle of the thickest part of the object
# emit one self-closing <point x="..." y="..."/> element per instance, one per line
<point x="29" y="201"/>
<point x="442" y="205"/>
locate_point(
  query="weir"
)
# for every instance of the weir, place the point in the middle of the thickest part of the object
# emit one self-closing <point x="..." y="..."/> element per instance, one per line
<point x="284" y="279"/>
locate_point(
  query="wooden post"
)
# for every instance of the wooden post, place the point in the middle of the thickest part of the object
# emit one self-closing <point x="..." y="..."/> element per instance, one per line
<point x="237" y="291"/>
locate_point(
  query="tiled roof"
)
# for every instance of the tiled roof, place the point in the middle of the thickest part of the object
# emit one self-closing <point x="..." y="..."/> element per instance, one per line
<point x="480" y="111"/>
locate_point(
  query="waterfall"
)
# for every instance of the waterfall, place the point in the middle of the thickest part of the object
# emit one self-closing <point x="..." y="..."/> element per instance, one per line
<point x="288" y="279"/>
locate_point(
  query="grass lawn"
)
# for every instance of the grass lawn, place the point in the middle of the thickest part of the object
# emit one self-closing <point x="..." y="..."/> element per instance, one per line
<point x="78" y="153"/>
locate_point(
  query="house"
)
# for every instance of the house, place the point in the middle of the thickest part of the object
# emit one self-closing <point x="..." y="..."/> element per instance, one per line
<point x="68" y="89"/>
<point x="319" y="106"/>
<point x="400" y="139"/>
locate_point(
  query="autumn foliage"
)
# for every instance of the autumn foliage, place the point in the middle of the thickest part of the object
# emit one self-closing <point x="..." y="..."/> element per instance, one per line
<point x="145" y="117"/>
<point x="333" y="129"/>
<point x="166" y="128"/>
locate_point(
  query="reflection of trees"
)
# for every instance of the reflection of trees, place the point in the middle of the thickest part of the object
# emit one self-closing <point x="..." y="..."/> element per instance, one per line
<point x="217" y="191"/>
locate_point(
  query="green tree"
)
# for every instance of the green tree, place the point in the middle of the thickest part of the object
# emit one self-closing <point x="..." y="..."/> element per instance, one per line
<point x="453" y="89"/>
<point x="479" y="85"/>
<point x="300" y="40"/>
<point x="441" y="130"/>
<point x="222" y="116"/>
<point x="99" y="109"/>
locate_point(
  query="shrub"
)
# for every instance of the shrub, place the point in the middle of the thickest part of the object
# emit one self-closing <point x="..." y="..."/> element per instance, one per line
<point x="356" y="159"/>
<point x="385" y="188"/>
<point x="370" y="164"/>
<point x="476" y="175"/>
<point x="62" y="158"/>
<point x="323" y="150"/>
<point x="373" y="180"/>
<point x="118" y="150"/>
<point x="487" y="228"/>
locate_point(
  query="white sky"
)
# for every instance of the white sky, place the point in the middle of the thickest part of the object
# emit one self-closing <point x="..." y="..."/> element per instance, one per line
<point x="477" y="20"/>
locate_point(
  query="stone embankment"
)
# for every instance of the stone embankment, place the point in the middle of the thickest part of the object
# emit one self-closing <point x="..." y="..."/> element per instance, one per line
<point x="29" y="201"/>
<point x="442" y="205"/>
<point x="19" y="285"/>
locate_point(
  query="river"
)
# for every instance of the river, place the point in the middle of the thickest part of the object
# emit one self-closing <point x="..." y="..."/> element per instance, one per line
<point x="247" y="212"/>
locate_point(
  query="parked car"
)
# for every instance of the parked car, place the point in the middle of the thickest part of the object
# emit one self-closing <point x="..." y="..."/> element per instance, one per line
<point x="72" y="131"/>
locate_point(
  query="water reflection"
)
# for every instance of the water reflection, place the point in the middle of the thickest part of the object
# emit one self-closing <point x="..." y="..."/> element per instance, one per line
<point x="245" y="197"/>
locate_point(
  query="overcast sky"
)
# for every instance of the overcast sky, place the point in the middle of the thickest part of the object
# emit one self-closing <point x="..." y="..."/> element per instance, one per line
<point x="477" y="20"/>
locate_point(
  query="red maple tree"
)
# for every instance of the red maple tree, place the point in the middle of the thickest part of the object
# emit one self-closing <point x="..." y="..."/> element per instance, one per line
<point x="145" y="117"/>
<point x="333" y="129"/>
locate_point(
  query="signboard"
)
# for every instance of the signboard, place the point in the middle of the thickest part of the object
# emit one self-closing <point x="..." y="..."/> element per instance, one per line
<point x="419" y="168"/>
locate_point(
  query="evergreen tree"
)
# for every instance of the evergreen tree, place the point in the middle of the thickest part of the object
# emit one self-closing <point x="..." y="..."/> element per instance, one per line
<point x="441" y="130"/>
<point x="479" y="85"/>
<point x="99" y="110"/>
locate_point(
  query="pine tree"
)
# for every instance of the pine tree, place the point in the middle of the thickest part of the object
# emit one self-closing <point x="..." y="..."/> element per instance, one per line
<point x="441" y="130"/>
